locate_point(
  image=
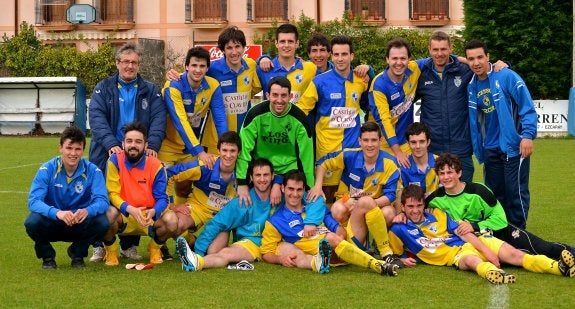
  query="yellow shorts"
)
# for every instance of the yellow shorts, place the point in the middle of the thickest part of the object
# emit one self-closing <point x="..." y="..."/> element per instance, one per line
<point x="200" y="215"/>
<point x="493" y="243"/>
<point x="172" y="158"/>
<point x="252" y="248"/>
<point x="132" y="227"/>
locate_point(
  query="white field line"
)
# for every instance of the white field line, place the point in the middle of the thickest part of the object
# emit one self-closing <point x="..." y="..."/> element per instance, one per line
<point x="14" y="192"/>
<point x="498" y="296"/>
<point x="19" y="166"/>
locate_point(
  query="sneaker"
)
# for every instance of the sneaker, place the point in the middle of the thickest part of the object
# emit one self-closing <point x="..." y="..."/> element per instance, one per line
<point x="166" y="256"/>
<point x="98" y="254"/>
<point x="131" y="253"/>
<point x="499" y="277"/>
<point x="77" y="262"/>
<point x="567" y="264"/>
<point x="111" y="256"/>
<point x="155" y="253"/>
<point x="242" y="265"/>
<point x="49" y="263"/>
<point x="323" y="256"/>
<point x="187" y="256"/>
<point x="388" y="269"/>
<point x="393" y="259"/>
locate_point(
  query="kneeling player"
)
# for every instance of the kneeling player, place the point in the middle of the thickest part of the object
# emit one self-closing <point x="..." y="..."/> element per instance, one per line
<point x="283" y="241"/>
<point x="136" y="185"/>
<point x="431" y="237"/>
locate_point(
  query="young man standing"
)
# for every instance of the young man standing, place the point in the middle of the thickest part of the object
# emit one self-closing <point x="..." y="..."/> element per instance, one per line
<point x="283" y="241"/>
<point x="436" y="239"/>
<point x="275" y="129"/>
<point x="136" y="186"/>
<point x="67" y="202"/>
<point x="391" y="98"/>
<point x="211" y="248"/>
<point x="337" y="96"/>
<point x="503" y="124"/>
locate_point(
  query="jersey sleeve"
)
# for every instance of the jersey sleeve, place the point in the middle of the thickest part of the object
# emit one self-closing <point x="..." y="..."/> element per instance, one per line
<point x="113" y="185"/>
<point x="159" y="191"/>
<point x="219" y="110"/>
<point x="309" y="99"/>
<point x="227" y="219"/>
<point x="379" y="108"/>
<point x="248" y="136"/>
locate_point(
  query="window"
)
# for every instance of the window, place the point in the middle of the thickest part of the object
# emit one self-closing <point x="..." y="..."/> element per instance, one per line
<point x="50" y="12"/>
<point x="267" y="10"/>
<point x="367" y="9"/>
<point x="206" y="10"/>
<point x="429" y="9"/>
<point x="114" y="11"/>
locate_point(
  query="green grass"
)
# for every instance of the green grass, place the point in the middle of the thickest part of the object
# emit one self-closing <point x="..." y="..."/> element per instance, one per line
<point x="25" y="285"/>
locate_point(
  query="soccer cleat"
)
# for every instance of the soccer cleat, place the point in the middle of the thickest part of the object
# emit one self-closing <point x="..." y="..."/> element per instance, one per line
<point x="131" y="253"/>
<point x="77" y="262"/>
<point x="111" y="256"/>
<point x="49" y="263"/>
<point x="567" y="264"/>
<point x="393" y="259"/>
<point x="323" y="256"/>
<point x="187" y="256"/>
<point x="242" y="265"/>
<point x="98" y="254"/>
<point x="499" y="277"/>
<point x="155" y="253"/>
<point x="166" y="256"/>
<point x="388" y="269"/>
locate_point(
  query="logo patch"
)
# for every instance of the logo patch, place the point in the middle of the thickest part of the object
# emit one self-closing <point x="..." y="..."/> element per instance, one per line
<point x="457" y="81"/>
<point x="79" y="187"/>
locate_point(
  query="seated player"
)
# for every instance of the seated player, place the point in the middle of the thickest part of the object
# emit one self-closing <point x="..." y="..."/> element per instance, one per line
<point x="211" y="247"/>
<point x="434" y="238"/>
<point x="480" y="211"/>
<point x="369" y="176"/>
<point x="283" y="241"/>
<point x="67" y="202"/>
<point x="136" y="185"/>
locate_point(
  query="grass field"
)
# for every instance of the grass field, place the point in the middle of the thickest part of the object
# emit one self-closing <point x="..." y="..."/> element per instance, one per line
<point x="25" y="285"/>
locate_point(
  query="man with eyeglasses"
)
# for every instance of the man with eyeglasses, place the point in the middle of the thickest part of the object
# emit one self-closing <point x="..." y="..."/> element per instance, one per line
<point x="117" y="100"/>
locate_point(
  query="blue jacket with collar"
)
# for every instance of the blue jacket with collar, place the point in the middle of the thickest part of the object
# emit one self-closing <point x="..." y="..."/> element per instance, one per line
<point x="103" y="116"/>
<point x="515" y="111"/>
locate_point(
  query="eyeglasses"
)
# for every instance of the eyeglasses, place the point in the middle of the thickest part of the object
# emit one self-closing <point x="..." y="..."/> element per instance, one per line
<point x="128" y="62"/>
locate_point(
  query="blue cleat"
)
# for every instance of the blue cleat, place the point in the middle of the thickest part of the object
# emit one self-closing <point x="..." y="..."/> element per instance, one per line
<point x="323" y="256"/>
<point x="188" y="258"/>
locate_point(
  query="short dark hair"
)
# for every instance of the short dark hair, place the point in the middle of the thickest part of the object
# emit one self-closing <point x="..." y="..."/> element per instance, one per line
<point x="473" y="44"/>
<point x="281" y="81"/>
<point x="260" y="162"/>
<point x="440" y="36"/>
<point x="449" y="160"/>
<point x="417" y="128"/>
<point x="198" y="52"/>
<point x="412" y="191"/>
<point x="295" y="175"/>
<point x="230" y="137"/>
<point x="287" y="28"/>
<point x="398" y="43"/>
<point x="342" y="40"/>
<point x="136" y="126"/>
<point x="74" y="134"/>
<point x="369" y="126"/>
<point x="231" y="34"/>
<point x="318" y="39"/>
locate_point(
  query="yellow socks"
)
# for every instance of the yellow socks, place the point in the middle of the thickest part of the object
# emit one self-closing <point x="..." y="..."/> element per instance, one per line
<point x="540" y="264"/>
<point x="378" y="229"/>
<point x="353" y="255"/>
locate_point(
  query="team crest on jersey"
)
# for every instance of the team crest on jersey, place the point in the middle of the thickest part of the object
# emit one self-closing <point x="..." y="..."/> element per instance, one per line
<point x="374" y="182"/>
<point x="288" y="127"/>
<point x="79" y="187"/>
<point x="433" y="228"/>
<point x="328" y="173"/>
<point x="299" y="78"/>
<point x="203" y="101"/>
<point x="354" y="96"/>
<point x="144" y="104"/>
<point x="457" y="81"/>
<point x="497" y="84"/>
<point x="247" y="80"/>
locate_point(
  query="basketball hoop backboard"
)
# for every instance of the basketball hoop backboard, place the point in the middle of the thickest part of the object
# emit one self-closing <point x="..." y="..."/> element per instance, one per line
<point x="81" y="14"/>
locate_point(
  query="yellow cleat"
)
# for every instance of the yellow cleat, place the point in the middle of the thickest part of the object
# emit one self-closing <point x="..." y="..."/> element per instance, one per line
<point x="155" y="253"/>
<point x="111" y="257"/>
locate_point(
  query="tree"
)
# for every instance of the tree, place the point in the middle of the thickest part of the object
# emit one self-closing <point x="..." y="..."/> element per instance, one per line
<point x="535" y="36"/>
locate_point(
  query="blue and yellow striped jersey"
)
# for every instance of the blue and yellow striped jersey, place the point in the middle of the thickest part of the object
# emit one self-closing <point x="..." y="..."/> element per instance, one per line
<point x="427" y="179"/>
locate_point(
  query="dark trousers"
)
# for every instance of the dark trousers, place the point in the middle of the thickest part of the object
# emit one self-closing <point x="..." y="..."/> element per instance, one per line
<point x="467" y="169"/>
<point x="530" y="243"/>
<point x="508" y="178"/>
<point x="44" y="230"/>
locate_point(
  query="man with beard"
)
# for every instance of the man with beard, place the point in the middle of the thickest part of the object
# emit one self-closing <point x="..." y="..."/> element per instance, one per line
<point x="136" y="185"/>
